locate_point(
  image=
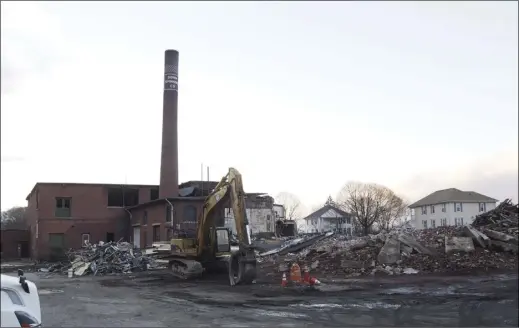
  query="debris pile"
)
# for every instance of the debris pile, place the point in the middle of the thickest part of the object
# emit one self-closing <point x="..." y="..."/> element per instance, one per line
<point x="504" y="218"/>
<point x="491" y="243"/>
<point x="105" y="258"/>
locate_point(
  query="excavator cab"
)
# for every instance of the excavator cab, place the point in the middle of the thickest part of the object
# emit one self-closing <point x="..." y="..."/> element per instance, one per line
<point x="221" y="241"/>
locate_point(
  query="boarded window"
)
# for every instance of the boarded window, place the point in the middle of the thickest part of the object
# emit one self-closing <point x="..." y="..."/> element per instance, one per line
<point x="121" y="197"/>
<point x="156" y="233"/>
<point x="190" y="214"/>
<point x="63" y="207"/>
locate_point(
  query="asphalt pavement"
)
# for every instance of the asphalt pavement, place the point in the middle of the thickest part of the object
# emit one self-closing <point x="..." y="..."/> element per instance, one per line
<point x="155" y="299"/>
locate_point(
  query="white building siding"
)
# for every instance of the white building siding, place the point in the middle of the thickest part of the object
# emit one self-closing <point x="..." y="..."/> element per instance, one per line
<point x="327" y="222"/>
<point x="260" y="219"/>
<point x="450" y="216"/>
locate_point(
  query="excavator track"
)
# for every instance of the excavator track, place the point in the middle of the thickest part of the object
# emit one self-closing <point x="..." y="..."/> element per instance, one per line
<point x="185" y="269"/>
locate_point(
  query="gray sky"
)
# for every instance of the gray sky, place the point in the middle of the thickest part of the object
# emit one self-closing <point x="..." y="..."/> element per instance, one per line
<point x="300" y="97"/>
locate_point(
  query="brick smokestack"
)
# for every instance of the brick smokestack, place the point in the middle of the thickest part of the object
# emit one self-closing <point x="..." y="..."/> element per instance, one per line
<point x="169" y="154"/>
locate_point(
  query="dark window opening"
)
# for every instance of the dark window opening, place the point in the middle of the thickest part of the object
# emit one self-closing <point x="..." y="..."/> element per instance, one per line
<point x="156" y="233"/>
<point x="121" y="197"/>
<point x="154" y="193"/>
<point x="110" y="236"/>
<point x="168" y="213"/>
<point x="62" y="207"/>
<point x="190" y="214"/>
<point x="145" y="218"/>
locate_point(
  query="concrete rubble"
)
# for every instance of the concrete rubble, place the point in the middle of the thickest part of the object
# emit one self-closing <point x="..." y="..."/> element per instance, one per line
<point x="491" y="243"/>
<point x="104" y="258"/>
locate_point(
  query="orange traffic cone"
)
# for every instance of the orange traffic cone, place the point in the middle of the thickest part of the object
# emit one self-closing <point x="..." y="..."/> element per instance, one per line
<point x="314" y="281"/>
<point x="284" y="280"/>
<point x="306" y="274"/>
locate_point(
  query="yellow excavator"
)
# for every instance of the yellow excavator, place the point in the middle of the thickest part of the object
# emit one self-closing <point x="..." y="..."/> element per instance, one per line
<point x="211" y="248"/>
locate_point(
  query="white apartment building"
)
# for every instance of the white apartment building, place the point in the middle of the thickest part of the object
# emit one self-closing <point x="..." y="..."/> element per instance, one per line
<point x="449" y="207"/>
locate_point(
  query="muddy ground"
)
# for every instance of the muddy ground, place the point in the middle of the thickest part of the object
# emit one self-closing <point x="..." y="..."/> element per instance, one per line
<point x="155" y="299"/>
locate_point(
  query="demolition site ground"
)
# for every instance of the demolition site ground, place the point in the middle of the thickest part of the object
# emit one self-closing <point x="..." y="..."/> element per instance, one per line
<point x="156" y="299"/>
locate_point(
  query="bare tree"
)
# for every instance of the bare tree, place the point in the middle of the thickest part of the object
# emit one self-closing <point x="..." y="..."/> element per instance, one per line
<point x="291" y="204"/>
<point x="14" y="218"/>
<point x="370" y="203"/>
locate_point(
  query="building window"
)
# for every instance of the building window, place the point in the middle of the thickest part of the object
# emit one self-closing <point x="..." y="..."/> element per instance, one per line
<point x="348" y="231"/>
<point x="458" y="221"/>
<point x="145" y="218"/>
<point x="190" y="214"/>
<point x="458" y="207"/>
<point x="154" y="193"/>
<point x="85" y="239"/>
<point x="110" y="237"/>
<point x="121" y="197"/>
<point x="268" y="217"/>
<point x="443" y="222"/>
<point x="168" y="213"/>
<point x="424" y="210"/>
<point x="433" y="223"/>
<point x="432" y="209"/>
<point x="482" y="207"/>
<point x="444" y="208"/>
<point x="156" y="233"/>
<point x="63" y="207"/>
<point x="348" y="220"/>
<point x="424" y="222"/>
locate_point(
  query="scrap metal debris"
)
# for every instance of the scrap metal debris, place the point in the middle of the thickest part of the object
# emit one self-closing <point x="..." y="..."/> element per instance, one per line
<point x="105" y="258"/>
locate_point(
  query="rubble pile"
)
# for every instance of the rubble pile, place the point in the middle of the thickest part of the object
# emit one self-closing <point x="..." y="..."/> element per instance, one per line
<point x="491" y="243"/>
<point x="105" y="258"/>
<point x="504" y="218"/>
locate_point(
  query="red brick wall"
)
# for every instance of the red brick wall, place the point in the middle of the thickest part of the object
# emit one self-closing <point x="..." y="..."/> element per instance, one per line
<point x="157" y="216"/>
<point x="10" y="240"/>
<point x="89" y="214"/>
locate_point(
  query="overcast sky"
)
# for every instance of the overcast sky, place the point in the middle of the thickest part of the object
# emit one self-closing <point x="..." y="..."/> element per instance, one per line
<point x="300" y="97"/>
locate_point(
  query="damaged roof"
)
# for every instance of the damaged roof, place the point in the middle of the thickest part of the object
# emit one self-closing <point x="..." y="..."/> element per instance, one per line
<point x="453" y="195"/>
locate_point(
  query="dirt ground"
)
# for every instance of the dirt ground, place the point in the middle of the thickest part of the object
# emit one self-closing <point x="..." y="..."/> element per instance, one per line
<point x="155" y="299"/>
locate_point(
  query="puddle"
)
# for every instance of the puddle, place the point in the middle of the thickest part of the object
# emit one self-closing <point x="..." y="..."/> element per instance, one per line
<point x="49" y="291"/>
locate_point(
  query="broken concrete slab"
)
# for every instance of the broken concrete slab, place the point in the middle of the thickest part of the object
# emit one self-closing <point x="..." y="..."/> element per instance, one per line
<point x="496" y="235"/>
<point x="352" y="264"/>
<point x="406" y="250"/>
<point x="478" y="237"/>
<point x="410" y="241"/>
<point x="504" y="246"/>
<point x="458" y="244"/>
<point x="390" y="252"/>
<point x="360" y="244"/>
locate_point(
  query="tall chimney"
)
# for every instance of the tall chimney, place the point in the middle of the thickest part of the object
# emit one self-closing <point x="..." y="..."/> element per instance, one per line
<point x="169" y="154"/>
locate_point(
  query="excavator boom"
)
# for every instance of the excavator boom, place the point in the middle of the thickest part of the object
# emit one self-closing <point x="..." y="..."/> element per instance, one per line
<point x="213" y="243"/>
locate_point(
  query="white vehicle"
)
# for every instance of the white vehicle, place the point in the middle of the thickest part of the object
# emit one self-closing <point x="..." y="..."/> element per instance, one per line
<point x="20" y="302"/>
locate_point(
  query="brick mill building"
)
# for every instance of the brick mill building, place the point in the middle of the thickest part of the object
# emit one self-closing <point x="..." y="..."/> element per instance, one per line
<point x="65" y="215"/>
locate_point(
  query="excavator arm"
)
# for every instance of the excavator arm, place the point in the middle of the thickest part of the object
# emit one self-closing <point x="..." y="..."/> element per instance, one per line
<point x="242" y="263"/>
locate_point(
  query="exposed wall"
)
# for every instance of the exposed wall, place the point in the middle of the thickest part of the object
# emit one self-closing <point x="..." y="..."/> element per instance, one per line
<point x="468" y="213"/>
<point x="146" y="217"/>
<point x="11" y="240"/>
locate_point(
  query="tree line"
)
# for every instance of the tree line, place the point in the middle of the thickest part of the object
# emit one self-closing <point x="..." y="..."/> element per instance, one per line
<point x="372" y="206"/>
<point x="14" y="218"/>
